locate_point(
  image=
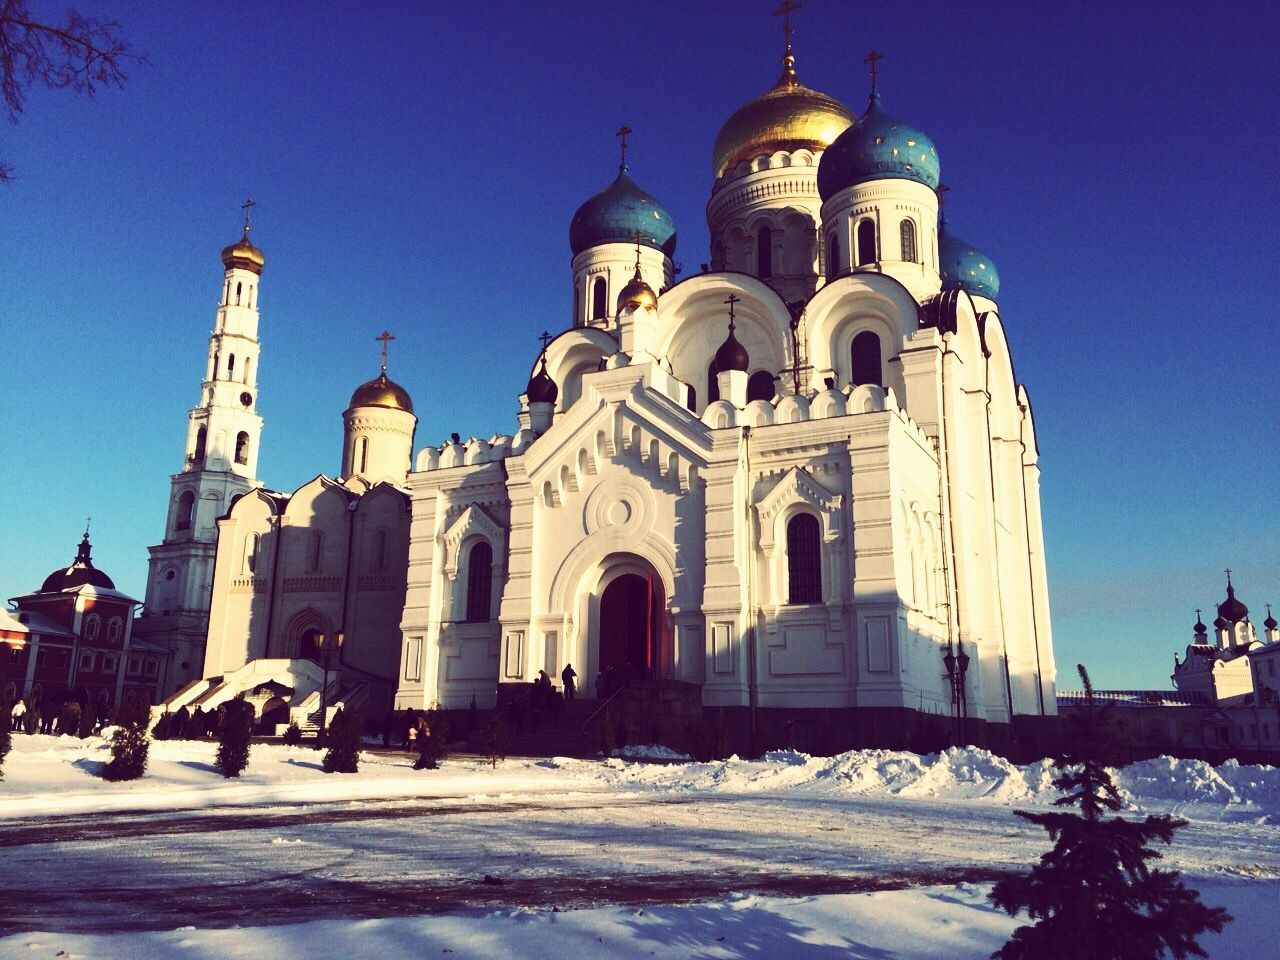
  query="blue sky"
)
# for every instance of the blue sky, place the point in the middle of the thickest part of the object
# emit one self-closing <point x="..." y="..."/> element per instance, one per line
<point x="416" y="167"/>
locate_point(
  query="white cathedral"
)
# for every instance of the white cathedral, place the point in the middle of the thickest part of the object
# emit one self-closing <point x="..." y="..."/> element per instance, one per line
<point x="801" y="482"/>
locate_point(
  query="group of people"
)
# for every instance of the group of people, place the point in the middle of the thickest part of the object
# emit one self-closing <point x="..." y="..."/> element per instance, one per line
<point x="70" y="719"/>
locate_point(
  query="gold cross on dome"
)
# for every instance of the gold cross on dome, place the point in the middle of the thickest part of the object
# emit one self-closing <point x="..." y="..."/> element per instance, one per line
<point x="623" y="132"/>
<point x="788" y="7"/>
<point x="248" y="205"/>
<point x="386" y="338"/>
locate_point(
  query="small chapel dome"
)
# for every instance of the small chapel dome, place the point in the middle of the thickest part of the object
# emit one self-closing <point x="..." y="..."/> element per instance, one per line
<point x="541" y="388"/>
<point x="81" y="572"/>
<point x="381" y="392"/>
<point x="788" y="117"/>
<point x="732" y="355"/>
<point x="965" y="267"/>
<point x="622" y="213"/>
<point x="1200" y="628"/>
<point x="1232" y="610"/>
<point x="1270" y="622"/>
<point x="637" y="294"/>
<point x="243" y="254"/>
<point x="878" y="147"/>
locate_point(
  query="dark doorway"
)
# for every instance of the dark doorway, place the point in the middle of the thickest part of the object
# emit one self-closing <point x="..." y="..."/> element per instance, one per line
<point x="274" y="712"/>
<point x="632" y="634"/>
<point x="309" y="645"/>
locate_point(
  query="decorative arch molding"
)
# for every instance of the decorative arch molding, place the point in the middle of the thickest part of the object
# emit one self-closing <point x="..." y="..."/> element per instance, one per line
<point x="797" y="490"/>
<point x="596" y="552"/>
<point x="856" y="302"/>
<point x="473" y="521"/>
<point x="569" y="352"/>
<point x="304" y="620"/>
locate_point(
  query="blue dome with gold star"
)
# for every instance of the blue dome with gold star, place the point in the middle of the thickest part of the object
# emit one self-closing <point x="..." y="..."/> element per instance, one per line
<point x="617" y="214"/>
<point x="965" y="267"/>
<point x="878" y="147"/>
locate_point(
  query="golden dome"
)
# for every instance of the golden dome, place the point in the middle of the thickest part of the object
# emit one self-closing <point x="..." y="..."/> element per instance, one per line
<point x="243" y="254"/>
<point x="381" y="392"/>
<point x="637" y="294"/>
<point x="789" y="117"/>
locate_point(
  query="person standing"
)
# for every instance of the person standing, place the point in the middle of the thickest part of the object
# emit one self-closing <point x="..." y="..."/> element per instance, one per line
<point x="567" y="677"/>
<point x="18" y="717"/>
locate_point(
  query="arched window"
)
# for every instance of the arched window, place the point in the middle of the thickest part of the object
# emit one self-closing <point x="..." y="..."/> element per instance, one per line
<point x="764" y="252"/>
<point x="238" y="286"/>
<point x="202" y="436"/>
<point x="231" y="367"/>
<point x="317" y="551"/>
<point x="217" y="368"/>
<point x="760" y="386"/>
<point x="91" y="626"/>
<point x="577" y="305"/>
<point x="251" y="543"/>
<point x="226" y="294"/>
<point x="804" y="560"/>
<point x="833" y="257"/>
<point x="713" y="384"/>
<point x="599" y="306"/>
<point x="114" y="626"/>
<point x="479" y="581"/>
<point x="362" y="454"/>
<point x="242" y="447"/>
<point x="865" y="354"/>
<point x="907" y="232"/>
<point x="186" y="510"/>
<point x="866" y="241"/>
<point x="250" y="301"/>
<point x="247" y="361"/>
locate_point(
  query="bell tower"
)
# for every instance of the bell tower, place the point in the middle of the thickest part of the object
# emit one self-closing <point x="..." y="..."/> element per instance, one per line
<point x="219" y="466"/>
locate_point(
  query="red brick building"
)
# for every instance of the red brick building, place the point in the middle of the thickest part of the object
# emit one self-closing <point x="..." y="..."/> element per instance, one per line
<point x="74" y="638"/>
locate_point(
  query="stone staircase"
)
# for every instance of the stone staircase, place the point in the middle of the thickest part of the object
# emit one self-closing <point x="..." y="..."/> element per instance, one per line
<point x="549" y="733"/>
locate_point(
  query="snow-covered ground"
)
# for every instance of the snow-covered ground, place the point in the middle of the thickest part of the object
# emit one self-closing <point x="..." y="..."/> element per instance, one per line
<point x="786" y="856"/>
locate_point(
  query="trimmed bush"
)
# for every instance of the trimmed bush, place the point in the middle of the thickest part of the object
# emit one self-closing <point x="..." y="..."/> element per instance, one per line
<point x="129" y="746"/>
<point x="343" y="740"/>
<point x="233" y="743"/>
<point x="292" y="734"/>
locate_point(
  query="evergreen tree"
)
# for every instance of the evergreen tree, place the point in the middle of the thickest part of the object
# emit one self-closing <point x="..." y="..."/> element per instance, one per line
<point x="163" y="729"/>
<point x="343" y="740"/>
<point x="233" y="741"/>
<point x="129" y="746"/>
<point x="6" y="741"/>
<point x="292" y="734"/>
<point x="1094" y="895"/>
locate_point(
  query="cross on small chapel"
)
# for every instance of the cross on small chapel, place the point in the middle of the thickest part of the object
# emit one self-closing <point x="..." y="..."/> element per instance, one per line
<point x="873" y="58"/>
<point x="731" y="300"/>
<point x="248" y="205"/>
<point x="788" y="7"/>
<point x="623" y="132"/>
<point x="386" y="338"/>
<point x="546" y="339"/>
<point x="1228" y="573"/>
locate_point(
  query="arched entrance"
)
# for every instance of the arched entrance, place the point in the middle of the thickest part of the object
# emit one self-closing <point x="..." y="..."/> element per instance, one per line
<point x="634" y="639"/>
<point x="309" y="645"/>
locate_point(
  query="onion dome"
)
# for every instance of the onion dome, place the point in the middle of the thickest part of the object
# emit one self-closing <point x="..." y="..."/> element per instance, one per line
<point x="637" y="294"/>
<point x="80" y="573"/>
<point x="788" y="117"/>
<point x="1220" y="624"/>
<point x="878" y="147"/>
<point x="622" y="213"/>
<point x="381" y="392"/>
<point x="1270" y="622"/>
<point x="1231" y="609"/>
<point x="1200" y="629"/>
<point x="965" y="267"/>
<point x="541" y="388"/>
<point x="732" y="355"/>
<point x="244" y="255"/>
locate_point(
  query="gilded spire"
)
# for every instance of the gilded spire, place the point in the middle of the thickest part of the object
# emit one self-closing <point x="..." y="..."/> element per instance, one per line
<point x="788" y="77"/>
<point x="623" y="132"/>
<point x="386" y="338"/>
<point x="248" y="205"/>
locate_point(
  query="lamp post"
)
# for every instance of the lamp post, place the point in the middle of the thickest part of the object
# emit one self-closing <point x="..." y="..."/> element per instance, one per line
<point x="326" y="656"/>
<point x="957" y="666"/>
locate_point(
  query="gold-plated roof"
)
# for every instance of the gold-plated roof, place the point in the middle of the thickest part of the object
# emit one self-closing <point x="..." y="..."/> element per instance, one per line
<point x="791" y="116"/>
<point x="381" y="392"/>
<point x="242" y="253"/>
<point x="637" y="294"/>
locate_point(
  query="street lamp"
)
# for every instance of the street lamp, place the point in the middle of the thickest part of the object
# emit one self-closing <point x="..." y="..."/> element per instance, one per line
<point x="957" y="665"/>
<point x="326" y="657"/>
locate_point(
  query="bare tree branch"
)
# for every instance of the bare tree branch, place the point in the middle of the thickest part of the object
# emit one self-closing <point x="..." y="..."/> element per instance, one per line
<point x="81" y="54"/>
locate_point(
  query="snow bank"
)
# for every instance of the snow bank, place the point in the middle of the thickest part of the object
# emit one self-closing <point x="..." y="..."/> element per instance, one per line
<point x="651" y="751"/>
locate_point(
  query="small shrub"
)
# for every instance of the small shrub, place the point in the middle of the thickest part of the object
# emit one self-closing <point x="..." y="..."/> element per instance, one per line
<point x="233" y="743"/>
<point x="343" y="740"/>
<point x="88" y="720"/>
<point x="129" y="746"/>
<point x="6" y="742"/>
<point x="292" y="734"/>
<point x="163" y="728"/>
<point x="495" y="743"/>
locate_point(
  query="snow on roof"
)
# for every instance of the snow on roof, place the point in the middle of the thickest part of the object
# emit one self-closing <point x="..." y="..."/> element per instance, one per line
<point x="1136" y="698"/>
<point x="29" y="622"/>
